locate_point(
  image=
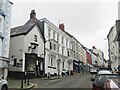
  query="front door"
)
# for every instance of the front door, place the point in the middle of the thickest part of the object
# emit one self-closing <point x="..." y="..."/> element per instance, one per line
<point x="39" y="66"/>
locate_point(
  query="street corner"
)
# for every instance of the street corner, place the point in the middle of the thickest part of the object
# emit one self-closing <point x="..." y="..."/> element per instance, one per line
<point x="25" y="87"/>
<point x="49" y="82"/>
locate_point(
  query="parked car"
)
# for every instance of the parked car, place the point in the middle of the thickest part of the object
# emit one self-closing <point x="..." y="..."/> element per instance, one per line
<point x="104" y="72"/>
<point x="112" y="84"/>
<point x="103" y="68"/>
<point x="98" y="83"/>
<point x="3" y="84"/>
<point x="93" y="71"/>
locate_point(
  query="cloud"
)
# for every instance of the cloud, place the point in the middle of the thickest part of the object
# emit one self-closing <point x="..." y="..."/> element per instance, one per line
<point x="89" y="22"/>
<point x="65" y="0"/>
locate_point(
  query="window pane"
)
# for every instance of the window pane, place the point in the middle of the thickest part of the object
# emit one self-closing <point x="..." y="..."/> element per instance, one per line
<point x="50" y="45"/>
<point x="35" y="38"/>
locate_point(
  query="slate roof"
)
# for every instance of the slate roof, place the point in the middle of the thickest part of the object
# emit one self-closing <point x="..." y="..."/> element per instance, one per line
<point x="27" y="27"/>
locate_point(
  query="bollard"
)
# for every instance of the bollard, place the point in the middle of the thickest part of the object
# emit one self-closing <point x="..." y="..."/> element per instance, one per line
<point x="22" y="80"/>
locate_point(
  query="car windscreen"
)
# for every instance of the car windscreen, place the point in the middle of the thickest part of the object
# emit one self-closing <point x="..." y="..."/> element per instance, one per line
<point x="103" y="78"/>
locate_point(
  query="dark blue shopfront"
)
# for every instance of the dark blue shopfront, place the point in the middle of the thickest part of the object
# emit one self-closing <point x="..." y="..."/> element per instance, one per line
<point x="77" y="66"/>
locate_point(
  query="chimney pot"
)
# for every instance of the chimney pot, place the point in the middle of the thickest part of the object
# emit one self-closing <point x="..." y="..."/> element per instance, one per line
<point x="94" y="47"/>
<point x="61" y="26"/>
<point x="33" y="14"/>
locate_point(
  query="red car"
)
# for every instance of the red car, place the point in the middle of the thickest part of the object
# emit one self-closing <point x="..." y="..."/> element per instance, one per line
<point x="112" y="84"/>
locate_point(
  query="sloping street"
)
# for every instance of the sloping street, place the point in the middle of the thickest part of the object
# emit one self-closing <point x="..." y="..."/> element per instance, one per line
<point x="75" y="81"/>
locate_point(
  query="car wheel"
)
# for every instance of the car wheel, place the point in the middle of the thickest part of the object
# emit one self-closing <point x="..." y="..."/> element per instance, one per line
<point x="4" y="87"/>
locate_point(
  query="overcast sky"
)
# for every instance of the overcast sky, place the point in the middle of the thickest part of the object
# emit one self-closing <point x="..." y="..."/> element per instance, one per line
<point x="89" y="21"/>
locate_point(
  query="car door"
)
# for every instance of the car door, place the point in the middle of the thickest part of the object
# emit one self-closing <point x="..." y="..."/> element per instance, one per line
<point x="1" y="82"/>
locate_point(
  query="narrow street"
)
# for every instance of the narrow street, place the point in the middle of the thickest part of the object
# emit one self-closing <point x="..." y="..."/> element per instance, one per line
<point x="76" y="81"/>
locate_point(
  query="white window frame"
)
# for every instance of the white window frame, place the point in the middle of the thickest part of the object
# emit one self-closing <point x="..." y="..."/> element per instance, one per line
<point x="58" y="35"/>
<point x="49" y="32"/>
<point x="54" y="35"/>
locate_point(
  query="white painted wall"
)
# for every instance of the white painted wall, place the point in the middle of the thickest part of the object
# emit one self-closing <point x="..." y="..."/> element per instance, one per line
<point x="29" y="38"/>
<point x="52" y="53"/>
<point x="1" y="32"/>
<point x="16" y="49"/>
<point x="19" y="44"/>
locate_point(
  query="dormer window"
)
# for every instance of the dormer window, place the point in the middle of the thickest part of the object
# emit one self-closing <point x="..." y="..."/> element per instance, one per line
<point x="35" y="38"/>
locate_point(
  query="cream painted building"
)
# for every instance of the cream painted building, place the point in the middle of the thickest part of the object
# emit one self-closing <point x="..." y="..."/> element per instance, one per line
<point x="100" y="57"/>
<point x="113" y="48"/>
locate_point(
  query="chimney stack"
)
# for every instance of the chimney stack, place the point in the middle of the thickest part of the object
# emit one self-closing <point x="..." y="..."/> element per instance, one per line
<point x="93" y="47"/>
<point x="33" y="14"/>
<point x="62" y="27"/>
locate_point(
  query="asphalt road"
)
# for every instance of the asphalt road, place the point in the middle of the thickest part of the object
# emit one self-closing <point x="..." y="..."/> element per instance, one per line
<point x="76" y="81"/>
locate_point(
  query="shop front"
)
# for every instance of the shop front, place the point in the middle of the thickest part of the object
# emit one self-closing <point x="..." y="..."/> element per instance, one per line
<point x="34" y="65"/>
<point x="76" y="66"/>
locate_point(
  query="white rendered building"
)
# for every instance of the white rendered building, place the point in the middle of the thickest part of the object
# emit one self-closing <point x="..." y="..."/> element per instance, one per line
<point x="5" y="22"/>
<point x="58" y="49"/>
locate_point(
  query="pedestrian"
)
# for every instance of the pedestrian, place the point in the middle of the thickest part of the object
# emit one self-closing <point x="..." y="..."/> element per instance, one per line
<point x="68" y="72"/>
<point x="48" y="75"/>
<point x="62" y="74"/>
<point x="65" y="73"/>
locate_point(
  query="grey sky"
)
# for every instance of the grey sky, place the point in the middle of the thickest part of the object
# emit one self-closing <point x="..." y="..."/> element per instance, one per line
<point x="89" y="22"/>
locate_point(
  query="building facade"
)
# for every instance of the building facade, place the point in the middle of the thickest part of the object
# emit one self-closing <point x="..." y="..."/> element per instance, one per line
<point x="113" y="48"/>
<point x="5" y="22"/>
<point x="55" y="51"/>
<point x="99" y="57"/>
<point x="58" y="49"/>
<point x="27" y="48"/>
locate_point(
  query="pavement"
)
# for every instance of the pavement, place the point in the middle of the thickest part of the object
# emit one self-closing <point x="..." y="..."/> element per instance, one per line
<point x="15" y="84"/>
